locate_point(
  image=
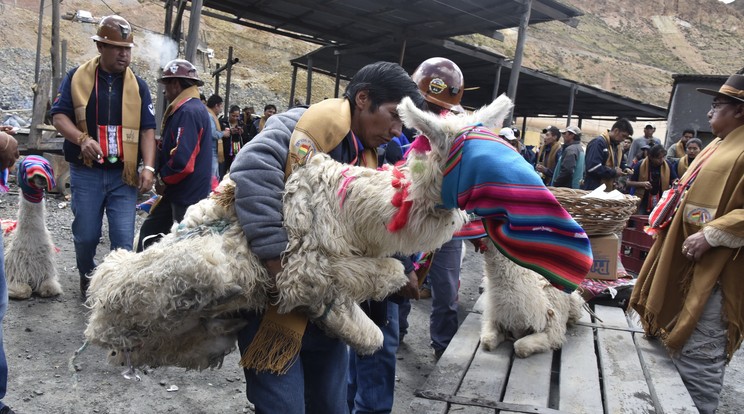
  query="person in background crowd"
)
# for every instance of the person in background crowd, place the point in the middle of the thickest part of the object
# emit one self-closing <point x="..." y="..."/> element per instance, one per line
<point x="238" y="136"/>
<point x="184" y="152"/>
<point x="647" y="139"/>
<point x="214" y="106"/>
<point x="694" y="146"/>
<point x="203" y="98"/>
<point x="679" y="149"/>
<point x="363" y="120"/>
<point x="604" y="156"/>
<point x="627" y="142"/>
<point x="569" y="170"/>
<point x="248" y="115"/>
<point x="105" y="113"/>
<point x="641" y="155"/>
<point x="651" y="178"/>
<point x="547" y="157"/>
<point x="258" y="124"/>
<point x="527" y="153"/>
<point x="8" y="156"/>
<point x="689" y="291"/>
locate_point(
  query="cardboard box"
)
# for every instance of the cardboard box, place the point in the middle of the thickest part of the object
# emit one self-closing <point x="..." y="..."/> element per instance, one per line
<point x="605" y="250"/>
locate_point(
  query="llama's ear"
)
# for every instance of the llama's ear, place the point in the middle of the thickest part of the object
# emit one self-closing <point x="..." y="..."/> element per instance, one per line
<point x="492" y="116"/>
<point x="425" y="122"/>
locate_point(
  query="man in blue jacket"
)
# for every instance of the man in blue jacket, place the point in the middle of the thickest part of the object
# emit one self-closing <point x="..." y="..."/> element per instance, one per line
<point x="604" y="158"/>
<point x="184" y="151"/>
<point x="105" y="113"/>
<point x="349" y="130"/>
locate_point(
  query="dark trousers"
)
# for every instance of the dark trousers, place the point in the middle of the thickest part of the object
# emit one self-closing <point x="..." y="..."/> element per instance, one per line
<point x="159" y="222"/>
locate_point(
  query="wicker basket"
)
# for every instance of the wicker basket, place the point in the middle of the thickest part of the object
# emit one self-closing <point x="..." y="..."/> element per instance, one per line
<point x="596" y="216"/>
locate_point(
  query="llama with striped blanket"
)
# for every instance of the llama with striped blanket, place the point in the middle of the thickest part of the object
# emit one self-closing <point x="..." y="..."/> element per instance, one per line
<point x="29" y="259"/>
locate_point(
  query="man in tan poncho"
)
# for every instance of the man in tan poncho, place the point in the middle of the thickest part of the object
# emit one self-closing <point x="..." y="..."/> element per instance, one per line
<point x="689" y="291"/>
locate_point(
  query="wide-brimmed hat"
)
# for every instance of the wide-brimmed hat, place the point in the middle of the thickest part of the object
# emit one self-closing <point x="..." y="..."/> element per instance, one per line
<point x="733" y="88"/>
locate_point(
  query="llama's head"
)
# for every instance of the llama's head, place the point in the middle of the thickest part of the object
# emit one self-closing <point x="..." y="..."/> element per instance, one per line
<point x="35" y="174"/>
<point x="442" y="130"/>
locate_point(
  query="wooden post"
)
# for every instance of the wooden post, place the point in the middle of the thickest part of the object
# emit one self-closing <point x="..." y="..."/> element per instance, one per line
<point x="38" y="41"/>
<point x="497" y="82"/>
<point x="336" y="82"/>
<point x="55" y="52"/>
<point x="192" y="41"/>
<point x="292" y="87"/>
<point x="63" y="60"/>
<point x="217" y="79"/>
<point x="37" y="116"/>
<point x="227" y="81"/>
<point x="517" y="65"/>
<point x="571" y="101"/>
<point x="309" y="92"/>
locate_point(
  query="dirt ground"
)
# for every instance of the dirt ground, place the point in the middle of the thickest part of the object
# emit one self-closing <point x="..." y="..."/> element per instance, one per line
<point x="42" y="335"/>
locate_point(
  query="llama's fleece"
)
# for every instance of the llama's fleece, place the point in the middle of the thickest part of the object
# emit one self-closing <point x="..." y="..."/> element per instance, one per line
<point x="523" y="306"/>
<point x="178" y="302"/>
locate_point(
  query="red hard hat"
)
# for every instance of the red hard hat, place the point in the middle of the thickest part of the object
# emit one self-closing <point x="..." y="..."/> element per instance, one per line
<point x="441" y="82"/>
<point x="114" y="30"/>
<point x="180" y="68"/>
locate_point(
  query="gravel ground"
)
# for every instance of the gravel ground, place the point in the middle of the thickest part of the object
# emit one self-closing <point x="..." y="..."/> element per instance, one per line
<point x="42" y="335"/>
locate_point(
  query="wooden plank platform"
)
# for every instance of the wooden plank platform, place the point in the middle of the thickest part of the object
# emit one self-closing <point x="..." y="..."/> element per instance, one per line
<point x="605" y="366"/>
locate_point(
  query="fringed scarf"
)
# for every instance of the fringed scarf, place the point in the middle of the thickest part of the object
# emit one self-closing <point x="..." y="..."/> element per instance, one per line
<point x="83" y="82"/>
<point x="679" y="150"/>
<point x="35" y="166"/>
<point x="279" y="338"/>
<point x="192" y="92"/>
<point x="486" y="175"/>
<point x="220" y="148"/>
<point x="644" y="175"/>
<point x="550" y="159"/>
<point x="613" y="160"/>
<point x="683" y="164"/>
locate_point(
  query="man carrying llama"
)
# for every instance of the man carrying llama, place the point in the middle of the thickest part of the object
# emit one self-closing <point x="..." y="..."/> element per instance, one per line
<point x="105" y="113"/>
<point x="184" y="152"/>
<point x="349" y="130"/>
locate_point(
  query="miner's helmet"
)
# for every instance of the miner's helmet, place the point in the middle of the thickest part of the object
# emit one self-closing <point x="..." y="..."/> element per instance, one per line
<point x="114" y="30"/>
<point x="180" y="68"/>
<point x="441" y="82"/>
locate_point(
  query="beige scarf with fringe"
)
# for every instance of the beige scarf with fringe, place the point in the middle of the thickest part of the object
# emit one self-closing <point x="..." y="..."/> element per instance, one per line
<point x="321" y="128"/>
<point x="82" y="84"/>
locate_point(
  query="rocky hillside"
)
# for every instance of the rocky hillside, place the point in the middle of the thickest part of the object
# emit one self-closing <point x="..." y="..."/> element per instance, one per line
<point x="631" y="48"/>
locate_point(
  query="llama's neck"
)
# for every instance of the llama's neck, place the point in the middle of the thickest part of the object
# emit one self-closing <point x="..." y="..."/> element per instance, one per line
<point x="31" y="217"/>
<point x="425" y="177"/>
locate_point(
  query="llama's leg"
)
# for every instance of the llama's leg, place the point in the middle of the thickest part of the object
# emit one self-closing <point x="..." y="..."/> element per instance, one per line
<point x="532" y="344"/>
<point x="551" y="338"/>
<point x="575" y="310"/>
<point x="19" y="291"/>
<point x="50" y="287"/>
<point x="363" y="278"/>
<point x="490" y="336"/>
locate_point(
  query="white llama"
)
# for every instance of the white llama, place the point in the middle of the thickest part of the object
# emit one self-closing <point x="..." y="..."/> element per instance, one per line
<point x="523" y="306"/>
<point x="29" y="259"/>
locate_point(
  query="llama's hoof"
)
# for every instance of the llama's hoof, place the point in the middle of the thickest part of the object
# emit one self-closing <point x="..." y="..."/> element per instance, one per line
<point x="19" y="291"/>
<point x="49" y="288"/>
<point x="491" y="341"/>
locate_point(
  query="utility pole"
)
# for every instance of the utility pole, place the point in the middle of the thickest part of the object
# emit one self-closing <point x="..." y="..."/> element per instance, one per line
<point x="192" y="41"/>
<point x="517" y="65"/>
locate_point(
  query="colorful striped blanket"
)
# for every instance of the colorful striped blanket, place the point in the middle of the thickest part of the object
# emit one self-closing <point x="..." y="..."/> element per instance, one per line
<point x="485" y="175"/>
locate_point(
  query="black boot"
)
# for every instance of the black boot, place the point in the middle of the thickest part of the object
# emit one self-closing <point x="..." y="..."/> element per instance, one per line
<point x="84" y="283"/>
